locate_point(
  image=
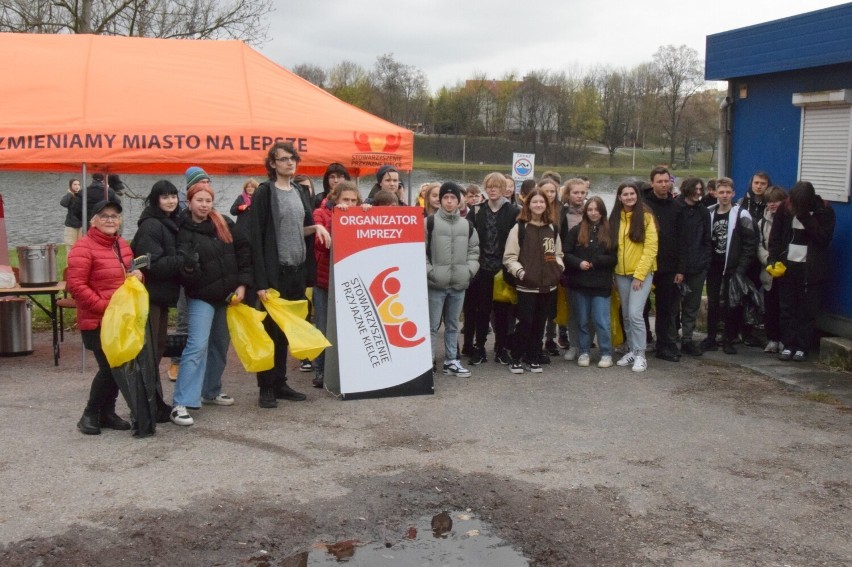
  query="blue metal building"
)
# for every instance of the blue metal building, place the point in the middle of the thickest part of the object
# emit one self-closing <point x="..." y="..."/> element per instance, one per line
<point x="789" y="113"/>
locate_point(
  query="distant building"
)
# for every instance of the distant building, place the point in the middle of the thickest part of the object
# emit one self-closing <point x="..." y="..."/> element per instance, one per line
<point x="789" y="112"/>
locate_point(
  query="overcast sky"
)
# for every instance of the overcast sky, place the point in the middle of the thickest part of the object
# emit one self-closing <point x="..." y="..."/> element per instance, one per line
<point x="451" y="40"/>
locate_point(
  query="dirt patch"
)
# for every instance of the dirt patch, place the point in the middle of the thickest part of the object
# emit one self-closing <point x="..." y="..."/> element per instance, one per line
<point x="585" y="526"/>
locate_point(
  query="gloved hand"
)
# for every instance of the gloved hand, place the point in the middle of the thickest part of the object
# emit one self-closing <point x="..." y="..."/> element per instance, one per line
<point x="189" y="253"/>
<point x="777" y="269"/>
<point x="242" y="208"/>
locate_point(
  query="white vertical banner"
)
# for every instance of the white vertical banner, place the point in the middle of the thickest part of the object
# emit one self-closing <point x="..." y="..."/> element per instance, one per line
<point x="381" y="307"/>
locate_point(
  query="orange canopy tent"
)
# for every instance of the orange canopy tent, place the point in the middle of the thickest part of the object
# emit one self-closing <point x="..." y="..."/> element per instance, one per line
<point x="141" y="105"/>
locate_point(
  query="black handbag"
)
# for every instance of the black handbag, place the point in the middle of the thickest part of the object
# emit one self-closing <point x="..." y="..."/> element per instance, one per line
<point x="175" y="344"/>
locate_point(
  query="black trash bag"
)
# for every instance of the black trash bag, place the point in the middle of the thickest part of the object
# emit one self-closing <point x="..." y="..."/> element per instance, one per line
<point x="741" y="291"/>
<point x="138" y="381"/>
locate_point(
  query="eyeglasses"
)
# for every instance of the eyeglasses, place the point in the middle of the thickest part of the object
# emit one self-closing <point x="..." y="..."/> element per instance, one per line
<point x="111" y="218"/>
<point x="286" y="158"/>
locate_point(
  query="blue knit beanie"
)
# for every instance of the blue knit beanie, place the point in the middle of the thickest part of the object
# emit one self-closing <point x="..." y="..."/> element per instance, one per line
<point x="195" y="174"/>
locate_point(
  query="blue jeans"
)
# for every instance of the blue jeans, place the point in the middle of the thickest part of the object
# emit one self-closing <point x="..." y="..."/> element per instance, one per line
<point x="320" y="322"/>
<point x="203" y="359"/>
<point x="446" y="303"/>
<point x="595" y="308"/>
<point x="632" y="305"/>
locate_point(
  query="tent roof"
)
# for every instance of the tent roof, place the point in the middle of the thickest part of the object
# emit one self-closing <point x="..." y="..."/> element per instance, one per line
<point x="142" y="105"/>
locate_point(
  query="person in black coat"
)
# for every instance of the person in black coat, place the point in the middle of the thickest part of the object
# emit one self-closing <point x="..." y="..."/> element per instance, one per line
<point x="695" y="248"/>
<point x="215" y="273"/>
<point x="282" y="233"/>
<point x="590" y="257"/>
<point x="157" y="235"/>
<point x="95" y="193"/>
<point x="801" y="233"/>
<point x="73" y="222"/>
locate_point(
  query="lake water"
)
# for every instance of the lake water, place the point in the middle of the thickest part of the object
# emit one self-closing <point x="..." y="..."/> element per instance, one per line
<point x="34" y="216"/>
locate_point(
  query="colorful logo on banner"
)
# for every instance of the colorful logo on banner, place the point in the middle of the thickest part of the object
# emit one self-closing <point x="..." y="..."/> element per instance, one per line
<point x="401" y="331"/>
<point x="376" y="151"/>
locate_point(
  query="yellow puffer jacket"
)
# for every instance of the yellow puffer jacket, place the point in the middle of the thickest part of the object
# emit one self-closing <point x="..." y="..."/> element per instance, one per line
<point x="636" y="258"/>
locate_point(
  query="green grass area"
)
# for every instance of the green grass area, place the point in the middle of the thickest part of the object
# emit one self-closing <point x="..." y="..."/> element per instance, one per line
<point x="41" y="322"/>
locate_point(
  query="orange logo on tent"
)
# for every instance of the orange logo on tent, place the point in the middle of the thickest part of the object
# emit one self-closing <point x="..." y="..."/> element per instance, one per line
<point x="381" y="144"/>
<point x="401" y="331"/>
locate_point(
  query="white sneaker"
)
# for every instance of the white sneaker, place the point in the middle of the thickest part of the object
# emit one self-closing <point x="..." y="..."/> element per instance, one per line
<point x="454" y="368"/>
<point x="771" y="346"/>
<point x="571" y="353"/>
<point x="583" y="360"/>
<point x="640" y="364"/>
<point x="605" y="362"/>
<point x="220" y="400"/>
<point x="626" y="360"/>
<point x="180" y="416"/>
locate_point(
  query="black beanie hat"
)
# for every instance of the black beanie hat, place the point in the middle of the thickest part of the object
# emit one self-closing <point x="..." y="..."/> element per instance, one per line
<point x="384" y="170"/>
<point x="450" y="187"/>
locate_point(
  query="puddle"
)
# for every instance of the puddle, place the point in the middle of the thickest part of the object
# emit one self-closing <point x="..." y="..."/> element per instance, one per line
<point x="456" y="538"/>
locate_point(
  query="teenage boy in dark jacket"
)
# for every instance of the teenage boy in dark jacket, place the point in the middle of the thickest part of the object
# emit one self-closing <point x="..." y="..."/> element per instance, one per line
<point x="493" y="222"/>
<point x="693" y="237"/>
<point x="281" y="233"/>
<point x="734" y="242"/>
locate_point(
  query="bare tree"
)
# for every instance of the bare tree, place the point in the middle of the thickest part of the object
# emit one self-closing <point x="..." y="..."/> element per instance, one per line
<point x="617" y="108"/>
<point x="189" y="19"/>
<point x="400" y="92"/>
<point x="311" y="73"/>
<point x="350" y="83"/>
<point x="679" y="71"/>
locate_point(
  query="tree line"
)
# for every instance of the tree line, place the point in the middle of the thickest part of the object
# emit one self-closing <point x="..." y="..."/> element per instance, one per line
<point x="662" y="103"/>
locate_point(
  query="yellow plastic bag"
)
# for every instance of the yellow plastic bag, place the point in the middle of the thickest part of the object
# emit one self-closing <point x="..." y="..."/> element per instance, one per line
<point x="503" y="292"/>
<point x="563" y="307"/>
<point x="123" y="325"/>
<point x="254" y="347"/>
<point x="306" y="341"/>
<point x="615" y="330"/>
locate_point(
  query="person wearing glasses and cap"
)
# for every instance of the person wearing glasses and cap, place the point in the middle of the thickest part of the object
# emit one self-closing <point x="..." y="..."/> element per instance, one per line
<point x="97" y="266"/>
<point x="282" y="232"/>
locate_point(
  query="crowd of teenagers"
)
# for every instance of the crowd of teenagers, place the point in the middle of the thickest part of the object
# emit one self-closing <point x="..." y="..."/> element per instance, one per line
<point x="499" y="262"/>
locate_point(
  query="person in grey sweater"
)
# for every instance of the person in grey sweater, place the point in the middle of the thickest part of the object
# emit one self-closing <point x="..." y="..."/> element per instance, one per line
<point x="452" y="259"/>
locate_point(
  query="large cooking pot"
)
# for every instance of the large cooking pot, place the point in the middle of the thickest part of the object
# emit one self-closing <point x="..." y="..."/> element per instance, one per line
<point x="37" y="265"/>
<point x="16" y="326"/>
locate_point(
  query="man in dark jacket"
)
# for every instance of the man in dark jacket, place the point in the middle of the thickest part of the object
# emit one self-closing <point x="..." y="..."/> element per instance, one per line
<point x="693" y="236"/>
<point x="281" y="232"/>
<point x="666" y="210"/>
<point x="734" y="244"/>
<point x="95" y="193"/>
<point x="754" y="202"/>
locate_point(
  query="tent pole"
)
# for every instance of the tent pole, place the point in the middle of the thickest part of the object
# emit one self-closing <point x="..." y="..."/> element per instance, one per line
<point x="85" y="202"/>
<point x="409" y="187"/>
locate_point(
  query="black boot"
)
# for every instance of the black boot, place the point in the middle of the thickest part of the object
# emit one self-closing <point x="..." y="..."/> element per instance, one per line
<point x="318" y="380"/>
<point x="267" y="398"/>
<point x="285" y="392"/>
<point x="110" y="420"/>
<point x="88" y="424"/>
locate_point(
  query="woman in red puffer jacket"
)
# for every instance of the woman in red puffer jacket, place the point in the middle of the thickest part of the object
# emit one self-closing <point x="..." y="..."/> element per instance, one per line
<point x="97" y="266"/>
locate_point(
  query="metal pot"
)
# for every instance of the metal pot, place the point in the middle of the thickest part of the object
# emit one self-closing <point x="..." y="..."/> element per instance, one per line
<point x="37" y="265"/>
<point x="16" y="326"/>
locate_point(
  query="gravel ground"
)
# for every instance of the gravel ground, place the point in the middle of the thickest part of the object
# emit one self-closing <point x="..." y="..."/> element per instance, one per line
<point x="703" y="462"/>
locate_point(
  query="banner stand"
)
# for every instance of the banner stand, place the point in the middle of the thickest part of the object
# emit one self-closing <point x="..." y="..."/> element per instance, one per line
<point x="378" y="317"/>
